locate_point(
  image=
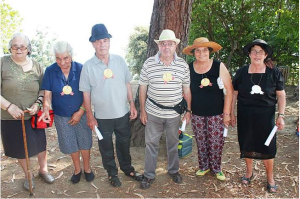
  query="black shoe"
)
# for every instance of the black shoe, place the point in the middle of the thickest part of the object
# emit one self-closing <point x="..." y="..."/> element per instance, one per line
<point x="146" y="182"/>
<point x="114" y="181"/>
<point x="76" y="178"/>
<point x="176" y="177"/>
<point x="89" y="176"/>
<point x="135" y="175"/>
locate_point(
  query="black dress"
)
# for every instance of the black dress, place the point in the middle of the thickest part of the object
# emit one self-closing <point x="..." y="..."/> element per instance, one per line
<point x="256" y="111"/>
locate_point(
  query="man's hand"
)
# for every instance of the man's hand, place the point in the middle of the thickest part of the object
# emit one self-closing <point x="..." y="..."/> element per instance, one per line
<point x="92" y="122"/>
<point x="143" y="117"/>
<point x="133" y="111"/>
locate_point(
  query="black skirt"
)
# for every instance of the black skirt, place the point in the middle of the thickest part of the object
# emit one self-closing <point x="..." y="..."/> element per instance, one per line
<point x="12" y="139"/>
<point x="254" y="126"/>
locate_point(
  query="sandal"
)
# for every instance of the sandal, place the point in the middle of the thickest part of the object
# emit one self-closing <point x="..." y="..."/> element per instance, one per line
<point x="114" y="181"/>
<point x="246" y="181"/>
<point x="136" y="175"/>
<point x="176" y="177"/>
<point x="271" y="188"/>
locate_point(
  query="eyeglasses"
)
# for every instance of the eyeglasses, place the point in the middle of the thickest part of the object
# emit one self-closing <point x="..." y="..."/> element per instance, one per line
<point x="257" y="52"/>
<point x="22" y="48"/>
<point x="205" y="50"/>
<point x="164" y="44"/>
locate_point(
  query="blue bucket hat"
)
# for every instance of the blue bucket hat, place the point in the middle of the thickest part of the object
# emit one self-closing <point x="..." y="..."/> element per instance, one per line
<point x="99" y="31"/>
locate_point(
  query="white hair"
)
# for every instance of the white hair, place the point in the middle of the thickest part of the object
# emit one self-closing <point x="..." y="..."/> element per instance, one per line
<point x="26" y="40"/>
<point x="61" y="47"/>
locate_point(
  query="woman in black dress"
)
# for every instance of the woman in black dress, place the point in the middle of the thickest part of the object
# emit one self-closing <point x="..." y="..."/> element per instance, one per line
<point x="258" y="87"/>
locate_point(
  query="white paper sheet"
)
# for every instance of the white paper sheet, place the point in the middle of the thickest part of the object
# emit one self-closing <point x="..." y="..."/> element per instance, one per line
<point x="225" y="132"/>
<point x="183" y="126"/>
<point x="267" y="143"/>
<point x="100" y="137"/>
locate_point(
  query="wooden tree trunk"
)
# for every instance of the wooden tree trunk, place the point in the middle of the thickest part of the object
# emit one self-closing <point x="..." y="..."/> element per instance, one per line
<point x="170" y="14"/>
<point x="167" y="14"/>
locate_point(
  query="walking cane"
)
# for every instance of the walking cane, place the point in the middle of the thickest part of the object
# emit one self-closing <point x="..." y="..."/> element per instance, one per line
<point x="26" y="154"/>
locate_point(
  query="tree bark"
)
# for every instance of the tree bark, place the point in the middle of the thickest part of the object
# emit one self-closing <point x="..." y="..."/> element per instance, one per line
<point x="167" y="14"/>
<point x="170" y="14"/>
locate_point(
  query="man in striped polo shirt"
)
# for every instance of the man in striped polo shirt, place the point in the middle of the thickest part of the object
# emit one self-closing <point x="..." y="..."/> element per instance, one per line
<point x="164" y="79"/>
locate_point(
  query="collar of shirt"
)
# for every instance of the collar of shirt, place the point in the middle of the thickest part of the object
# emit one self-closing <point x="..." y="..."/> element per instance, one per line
<point x="60" y="74"/>
<point x="99" y="61"/>
<point x="157" y="60"/>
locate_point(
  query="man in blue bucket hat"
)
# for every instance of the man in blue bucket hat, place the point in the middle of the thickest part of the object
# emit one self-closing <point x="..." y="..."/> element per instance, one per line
<point x="105" y="83"/>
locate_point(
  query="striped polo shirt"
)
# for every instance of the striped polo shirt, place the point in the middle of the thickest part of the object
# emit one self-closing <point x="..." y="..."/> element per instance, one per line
<point x="164" y="84"/>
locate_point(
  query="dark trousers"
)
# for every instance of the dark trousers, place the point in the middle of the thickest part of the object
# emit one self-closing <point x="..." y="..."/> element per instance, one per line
<point x="121" y="128"/>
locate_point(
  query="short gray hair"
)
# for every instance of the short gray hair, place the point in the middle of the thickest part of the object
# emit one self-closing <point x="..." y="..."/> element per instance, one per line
<point x="61" y="47"/>
<point x="25" y="38"/>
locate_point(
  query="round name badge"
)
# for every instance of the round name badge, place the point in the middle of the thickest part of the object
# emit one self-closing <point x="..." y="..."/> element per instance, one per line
<point x="205" y="82"/>
<point x="108" y="73"/>
<point x="67" y="90"/>
<point x="167" y="77"/>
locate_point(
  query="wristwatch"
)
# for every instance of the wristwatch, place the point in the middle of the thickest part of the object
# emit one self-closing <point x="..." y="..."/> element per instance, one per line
<point x="189" y="111"/>
<point x="281" y="115"/>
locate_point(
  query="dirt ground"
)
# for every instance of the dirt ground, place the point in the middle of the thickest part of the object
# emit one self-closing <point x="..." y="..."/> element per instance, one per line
<point x="286" y="171"/>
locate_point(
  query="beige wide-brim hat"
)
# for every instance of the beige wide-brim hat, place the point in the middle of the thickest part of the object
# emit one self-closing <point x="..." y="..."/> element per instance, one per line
<point x="202" y="42"/>
<point x="167" y="35"/>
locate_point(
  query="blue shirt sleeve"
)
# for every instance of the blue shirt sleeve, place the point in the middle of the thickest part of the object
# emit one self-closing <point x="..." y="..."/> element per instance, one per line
<point x="46" y="85"/>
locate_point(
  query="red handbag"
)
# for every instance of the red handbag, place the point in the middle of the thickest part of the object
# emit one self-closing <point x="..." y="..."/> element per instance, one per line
<point x="41" y="125"/>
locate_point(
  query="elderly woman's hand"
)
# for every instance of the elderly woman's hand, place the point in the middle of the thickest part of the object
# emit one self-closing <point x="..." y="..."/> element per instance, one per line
<point x="15" y="111"/>
<point x="226" y="120"/>
<point x="233" y="120"/>
<point x="280" y="123"/>
<point x="76" y="117"/>
<point x="34" y="109"/>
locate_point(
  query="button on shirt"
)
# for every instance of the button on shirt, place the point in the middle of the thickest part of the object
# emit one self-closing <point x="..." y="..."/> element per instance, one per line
<point x="54" y="81"/>
<point x="162" y="92"/>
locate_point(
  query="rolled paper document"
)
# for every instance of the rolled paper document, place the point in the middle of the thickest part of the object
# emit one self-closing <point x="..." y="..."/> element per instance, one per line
<point x="225" y="132"/>
<point x="183" y="126"/>
<point x="267" y="143"/>
<point x="100" y="137"/>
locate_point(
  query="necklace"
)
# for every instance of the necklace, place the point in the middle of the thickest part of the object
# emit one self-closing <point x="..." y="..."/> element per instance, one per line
<point x="256" y="89"/>
<point x="66" y="90"/>
<point x="28" y="61"/>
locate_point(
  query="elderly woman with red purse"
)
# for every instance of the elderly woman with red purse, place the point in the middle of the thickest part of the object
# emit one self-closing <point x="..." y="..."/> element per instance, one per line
<point x="21" y="79"/>
<point x="61" y="85"/>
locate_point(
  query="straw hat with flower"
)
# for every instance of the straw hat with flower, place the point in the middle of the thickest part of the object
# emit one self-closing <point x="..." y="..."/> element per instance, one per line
<point x="202" y="42"/>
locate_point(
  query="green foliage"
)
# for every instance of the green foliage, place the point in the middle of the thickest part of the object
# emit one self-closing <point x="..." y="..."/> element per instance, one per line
<point x="235" y="23"/>
<point x="41" y="48"/>
<point x="10" y="22"/>
<point x="137" y="49"/>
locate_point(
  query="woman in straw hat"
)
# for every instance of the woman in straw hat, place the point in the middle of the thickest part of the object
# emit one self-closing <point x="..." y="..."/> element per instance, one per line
<point x="257" y="89"/>
<point x="210" y="108"/>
